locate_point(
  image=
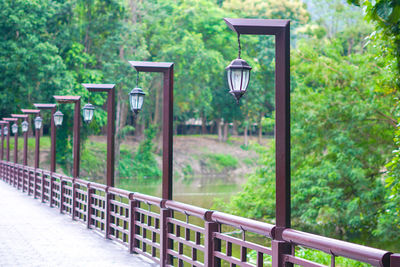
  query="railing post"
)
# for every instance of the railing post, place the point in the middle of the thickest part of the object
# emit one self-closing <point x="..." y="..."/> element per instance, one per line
<point x="89" y="205"/>
<point x="132" y="223"/>
<point x="42" y="187"/>
<point x="211" y="244"/>
<point x="107" y="214"/>
<point x="164" y="241"/>
<point x="395" y="260"/>
<point x="51" y="190"/>
<point x="61" y="195"/>
<point x="73" y="204"/>
<point x="279" y="248"/>
<point x="34" y="184"/>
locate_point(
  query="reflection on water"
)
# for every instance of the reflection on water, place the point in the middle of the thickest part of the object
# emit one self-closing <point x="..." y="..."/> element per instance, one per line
<point x="200" y="191"/>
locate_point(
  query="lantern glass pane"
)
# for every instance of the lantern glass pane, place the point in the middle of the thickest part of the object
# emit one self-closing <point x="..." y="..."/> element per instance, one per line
<point x="134" y="101"/>
<point x="86" y="114"/>
<point x="14" y="128"/>
<point x="246" y="79"/>
<point x="140" y="102"/>
<point x="235" y="79"/>
<point x="5" y="130"/>
<point x="91" y="112"/>
<point x="24" y="126"/>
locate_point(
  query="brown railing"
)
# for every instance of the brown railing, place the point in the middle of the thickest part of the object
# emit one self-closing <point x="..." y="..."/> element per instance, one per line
<point x="174" y="233"/>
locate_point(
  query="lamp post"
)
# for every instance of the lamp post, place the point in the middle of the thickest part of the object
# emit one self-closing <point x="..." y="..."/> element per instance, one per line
<point x="76" y="157"/>
<point x="88" y="115"/>
<point x="8" y="136"/>
<point x="3" y="124"/>
<point x="37" y="148"/>
<point x="18" y="116"/>
<point x="167" y="68"/>
<point x="281" y="30"/>
<point x="51" y="107"/>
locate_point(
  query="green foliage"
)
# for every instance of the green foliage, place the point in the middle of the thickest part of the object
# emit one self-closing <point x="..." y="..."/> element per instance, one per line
<point x="220" y="162"/>
<point x="341" y="132"/>
<point x="145" y="165"/>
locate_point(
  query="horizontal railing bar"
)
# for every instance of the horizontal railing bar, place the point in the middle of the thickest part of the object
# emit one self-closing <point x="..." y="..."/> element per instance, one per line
<point x="337" y="247"/>
<point x="242" y="243"/>
<point x="184" y="257"/>
<point x="186" y="209"/>
<point x="186" y="225"/>
<point x="257" y="227"/>
<point x="301" y="262"/>
<point x="148" y="213"/>
<point x="188" y="243"/>
<point x="147" y="227"/>
<point x="231" y="259"/>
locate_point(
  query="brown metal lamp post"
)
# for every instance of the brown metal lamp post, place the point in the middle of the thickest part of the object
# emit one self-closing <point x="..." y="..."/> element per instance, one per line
<point x="9" y="120"/>
<point x="167" y="68"/>
<point x="3" y="124"/>
<point x="28" y="112"/>
<point x="281" y="30"/>
<point x="76" y="146"/>
<point x="51" y="107"/>
<point x="110" y="89"/>
<point x="17" y="116"/>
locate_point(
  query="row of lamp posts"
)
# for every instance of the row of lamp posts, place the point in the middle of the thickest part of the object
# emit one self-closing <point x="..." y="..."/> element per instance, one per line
<point x="238" y="76"/>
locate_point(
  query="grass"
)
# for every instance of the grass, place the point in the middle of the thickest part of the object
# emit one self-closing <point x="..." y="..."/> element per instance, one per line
<point x="45" y="143"/>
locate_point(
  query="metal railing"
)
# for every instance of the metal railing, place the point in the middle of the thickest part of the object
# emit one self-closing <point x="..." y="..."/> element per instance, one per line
<point x="165" y="232"/>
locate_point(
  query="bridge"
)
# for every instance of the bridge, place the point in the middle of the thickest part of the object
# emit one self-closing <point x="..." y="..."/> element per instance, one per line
<point x="160" y="230"/>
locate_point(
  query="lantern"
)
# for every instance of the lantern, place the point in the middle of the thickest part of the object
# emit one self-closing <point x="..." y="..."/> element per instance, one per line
<point x="136" y="97"/>
<point x="58" y="118"/>
<point x="24" y="126"/>
<point x="88" y="111"/>
<point x="238" y="74"/>
<point x="5" y="130"/>
<point x="14" y="128"/>
<point x="38" y="123"/>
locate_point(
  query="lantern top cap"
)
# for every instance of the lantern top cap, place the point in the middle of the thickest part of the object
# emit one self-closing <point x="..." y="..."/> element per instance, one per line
<point x="58" y="113"/>
<point x="30" y="111"/>
<point x="38" y="118"/>
<point x="149" y="66"/>
<point x="257" y="26"/>
<point x="89" y="106"/>
<point x="138" y="91"/>
<point x="93" y="87"/>
<point x="45" y="106"/>
<point x="239" y="64"/>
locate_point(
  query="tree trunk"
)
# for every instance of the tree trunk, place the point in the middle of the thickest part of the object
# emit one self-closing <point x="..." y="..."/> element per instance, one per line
<point x="203" y="124"/>
<point x="246" y="139"/>
<point x="219" y="126"/>
<point x="260" y="127"/>
<point x="121" y="114"/>
<point x="235" y="128"/>
<point x="226" y="130"/>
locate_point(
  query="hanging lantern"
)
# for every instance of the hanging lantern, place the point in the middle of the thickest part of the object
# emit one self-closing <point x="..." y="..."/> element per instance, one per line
<point x="58" y="118"/>
<point x="5" y="130"/>
<point x="38" y="123"/>
<point x="88" y="111"/>
<point x="238" y="75"/>
<point x="24" y="126"/>
<point x="14" y="128"/>
<point x="136" y="97"/>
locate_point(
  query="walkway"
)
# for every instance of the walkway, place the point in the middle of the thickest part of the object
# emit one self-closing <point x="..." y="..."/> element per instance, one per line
<point x="33" y="234"/>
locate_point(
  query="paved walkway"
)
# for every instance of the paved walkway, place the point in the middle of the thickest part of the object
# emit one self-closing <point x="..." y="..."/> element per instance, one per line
<point x="33" y="234"/>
